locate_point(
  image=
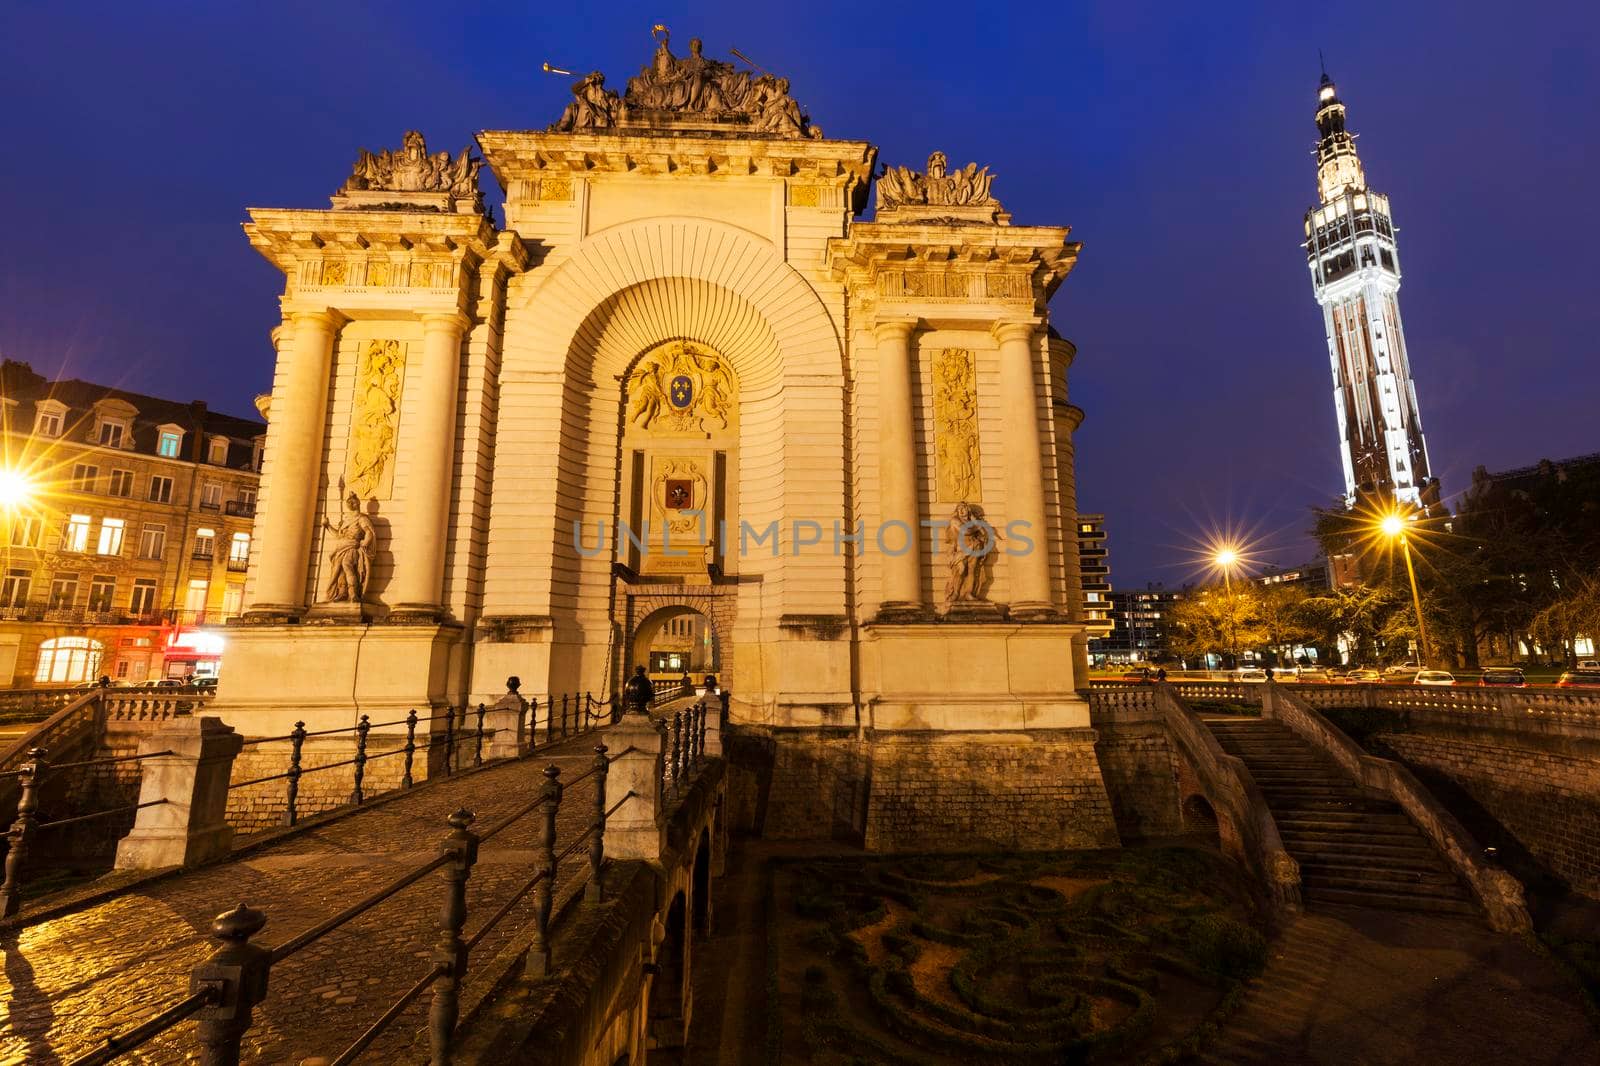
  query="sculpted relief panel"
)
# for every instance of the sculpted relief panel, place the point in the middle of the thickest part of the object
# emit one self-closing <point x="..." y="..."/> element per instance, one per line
<point x="955" y="425"/>
<point x="681" y="386"/>
<point x="375" y="419"/>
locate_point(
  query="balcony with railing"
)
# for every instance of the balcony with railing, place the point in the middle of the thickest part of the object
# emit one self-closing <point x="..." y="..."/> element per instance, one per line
<point x="240" y="508"/>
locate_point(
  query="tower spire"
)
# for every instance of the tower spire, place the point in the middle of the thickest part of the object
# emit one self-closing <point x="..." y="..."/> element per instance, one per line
<point x="1355" y="274"/>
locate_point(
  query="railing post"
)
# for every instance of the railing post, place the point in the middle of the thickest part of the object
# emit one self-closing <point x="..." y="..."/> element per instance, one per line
<point x="533" y="723"/>
<point x="594" y="891"/>
<point x="363" y="727"/>
<point x="411" y="747"/>
<point x="20" y="835"/>
<point x="677" y="749"/>
<point x="449" y="738"/>
<point x="539" y="956"/>
<point x="588" y="705"/>
<point x="236" y="977"/>
<point x="477" y="755"/>
<point x="297" y="743"/>
<point x="565" y="698"/>
<point x="450" y="955"/>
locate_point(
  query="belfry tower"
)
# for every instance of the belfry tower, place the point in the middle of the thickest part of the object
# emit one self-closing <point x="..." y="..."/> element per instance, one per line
<point x="1355" y="273"/>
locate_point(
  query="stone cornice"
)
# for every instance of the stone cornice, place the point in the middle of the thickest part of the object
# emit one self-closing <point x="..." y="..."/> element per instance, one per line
<point x="522" y="155"/>
<point x="287" y="236"/>
<point x="923" y="262"/>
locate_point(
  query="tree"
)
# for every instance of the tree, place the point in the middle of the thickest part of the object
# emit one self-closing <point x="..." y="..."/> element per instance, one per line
<point x="1214" y="621"/>
<point x="1285" y="619"/>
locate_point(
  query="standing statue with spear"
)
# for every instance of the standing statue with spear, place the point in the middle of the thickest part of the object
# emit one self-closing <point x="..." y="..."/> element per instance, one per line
<point x="354" y="541"/>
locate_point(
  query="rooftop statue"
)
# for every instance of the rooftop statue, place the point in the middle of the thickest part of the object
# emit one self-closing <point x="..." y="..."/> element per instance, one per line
<point x="967" y="187"/>
<point x="688" y="86"/>
<point x="412" y="169"/>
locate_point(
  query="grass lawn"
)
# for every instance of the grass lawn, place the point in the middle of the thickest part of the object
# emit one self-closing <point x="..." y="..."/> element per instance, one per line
<point x="1106" y="956"/>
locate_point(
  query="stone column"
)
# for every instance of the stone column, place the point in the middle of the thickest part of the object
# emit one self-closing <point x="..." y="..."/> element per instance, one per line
<point x="191" y="827"/>
<point x="506" y="720"/>
<point x="897" y="471"/>
<point x="298" y="418"/>
<point x="417" y="590"/>
<point x="1024" y="461"/>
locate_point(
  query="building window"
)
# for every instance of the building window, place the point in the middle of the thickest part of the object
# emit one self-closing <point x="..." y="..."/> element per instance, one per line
<point x="68" y="659"/>
<point x="233" y="600"/>
<point x="111" y="536"/>
<point x="83" y="477"/>
<point x="63" y="591"/>
<point x="48" y="424"/>
<point x="205" y="543"/>
<point x="194" y="600"/>
<point x="239" y="551"/>
<point x="152" y="542"/>
<point x="75" y="537"/>
<point x="160" y="489"/>
<point x="111" y="434"/>
<point x="102" y="587"/>
<point x="218" y="453"/>
<point x="121" y="483"/>
<point x="15" y="589"/>
<point x="25" y="531"/>
<point x="211" y="496"/>
<point x="169" y="444"/>
<point x="142" y="604"/>
<point x="256" y="449"/>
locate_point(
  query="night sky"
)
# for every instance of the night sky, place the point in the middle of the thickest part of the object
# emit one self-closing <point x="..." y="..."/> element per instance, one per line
<point x="1173" y="138"/>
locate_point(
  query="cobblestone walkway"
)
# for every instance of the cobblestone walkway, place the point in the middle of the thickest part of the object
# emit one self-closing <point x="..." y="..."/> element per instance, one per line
<point x="69" y="983"/>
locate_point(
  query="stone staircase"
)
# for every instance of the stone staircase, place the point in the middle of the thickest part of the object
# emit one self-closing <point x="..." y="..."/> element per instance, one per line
<point x="1353" y="848"/>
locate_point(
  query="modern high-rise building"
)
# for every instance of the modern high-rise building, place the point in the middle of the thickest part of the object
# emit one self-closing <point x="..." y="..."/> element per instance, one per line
<point x="1355" y="273"/>
<point x="1095" y="568"/>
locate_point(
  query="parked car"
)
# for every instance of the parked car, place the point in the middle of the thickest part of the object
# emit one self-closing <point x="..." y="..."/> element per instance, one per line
<point x="1363" y="676"/>
<point x="1139" y="674"/>
<point x="1401" y="674"/>
<point x="1589" y="664"/>
<point x="1579" y="679"/>
<point x="204" y="684"/>
<point x="1502" y="677"/>
<point x="162" y="683"/>
<point x="1250" y="675"/>
<point x="1435" y="677"/>
<point x="1314" y="676"/>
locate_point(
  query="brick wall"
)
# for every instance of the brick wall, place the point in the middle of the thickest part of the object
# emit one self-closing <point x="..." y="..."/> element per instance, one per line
<point x="255" y="808"/>
<point x="1547" y="798"/>
<point x="1141" y="776"/>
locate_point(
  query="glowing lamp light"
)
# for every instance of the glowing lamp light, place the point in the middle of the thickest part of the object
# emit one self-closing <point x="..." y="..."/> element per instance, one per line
<point x="1226" y="557"/>
<point x="1392" y="525"/>
<point x="15" y="488"/>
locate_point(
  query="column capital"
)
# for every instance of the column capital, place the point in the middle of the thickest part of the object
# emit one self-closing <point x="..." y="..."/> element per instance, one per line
<point x="1005" y="331"/>
<point x="444" y="320"/>
<point x="326" y="317"/>
<point x="894" y="328"/>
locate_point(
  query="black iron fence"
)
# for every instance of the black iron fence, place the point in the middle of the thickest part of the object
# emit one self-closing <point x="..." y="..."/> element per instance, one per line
<point x="26" y="826"/>
<point x="227" y="987"/>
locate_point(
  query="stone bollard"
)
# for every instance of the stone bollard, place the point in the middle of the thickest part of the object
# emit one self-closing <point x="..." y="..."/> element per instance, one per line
<point x="636" y="830"/>
<point x="504" y="720"/>
<point x="191" y="827"/>
<point x="714" y="713"/>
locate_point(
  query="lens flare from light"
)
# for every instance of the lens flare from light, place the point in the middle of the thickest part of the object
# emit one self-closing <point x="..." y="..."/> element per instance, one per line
<point x="1226" y="557"/>
<point x="15" y="489"/>
<point x="1392" y="525"/>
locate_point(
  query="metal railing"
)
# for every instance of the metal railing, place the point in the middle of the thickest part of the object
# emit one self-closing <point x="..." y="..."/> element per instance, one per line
<point x="26" y="826"/>
<point x="227" y="987"/>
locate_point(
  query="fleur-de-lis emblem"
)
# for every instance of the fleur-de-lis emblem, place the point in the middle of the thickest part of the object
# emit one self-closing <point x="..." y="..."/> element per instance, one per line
<point x="680" y="392"/>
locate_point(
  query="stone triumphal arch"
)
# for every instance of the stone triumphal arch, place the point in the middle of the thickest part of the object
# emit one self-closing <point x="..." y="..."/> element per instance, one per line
<point x="685" y="373"/>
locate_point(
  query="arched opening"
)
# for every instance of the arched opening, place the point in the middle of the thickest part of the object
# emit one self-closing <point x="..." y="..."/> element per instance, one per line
<point x="668" y="1012"/>
<point x="1200" y="819"/>
<point x="702" y="885"/>
<point x="66" y="660"/>
<point x="674" y="642"/>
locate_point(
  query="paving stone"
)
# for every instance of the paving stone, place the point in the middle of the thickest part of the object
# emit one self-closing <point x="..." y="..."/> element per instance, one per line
<point x="69" y="983"/>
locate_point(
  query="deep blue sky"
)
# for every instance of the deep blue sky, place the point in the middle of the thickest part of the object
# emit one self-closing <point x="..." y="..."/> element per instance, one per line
<point x="1174" y="138"/>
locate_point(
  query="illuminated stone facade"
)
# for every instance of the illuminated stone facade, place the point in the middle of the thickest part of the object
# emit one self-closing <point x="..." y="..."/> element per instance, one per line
<point x="683" y="375"/>
<point x="1355" y="272"/>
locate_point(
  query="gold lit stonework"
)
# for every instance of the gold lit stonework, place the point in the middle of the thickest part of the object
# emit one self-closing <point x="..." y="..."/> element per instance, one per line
<point x="379" y="272"/>
<point x="375" y="419"/>
<point x="555" y="189"/>
<point x="955" y="418"/>
<point x="333" y="272"/>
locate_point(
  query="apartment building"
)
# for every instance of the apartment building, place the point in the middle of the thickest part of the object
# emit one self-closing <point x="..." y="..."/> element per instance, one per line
<point x="127" y="523"/>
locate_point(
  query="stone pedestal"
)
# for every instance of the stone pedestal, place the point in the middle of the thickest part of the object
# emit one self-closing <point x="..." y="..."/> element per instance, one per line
<point x="190" y="827"/>
<point x="507" y="722"/>
<point x="635" y="830"/>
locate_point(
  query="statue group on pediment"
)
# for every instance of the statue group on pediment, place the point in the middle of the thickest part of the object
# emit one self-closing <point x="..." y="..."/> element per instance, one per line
<point x="412" y="169"/>
<point x="937" y="187"/>
<point x="692" y="85"/>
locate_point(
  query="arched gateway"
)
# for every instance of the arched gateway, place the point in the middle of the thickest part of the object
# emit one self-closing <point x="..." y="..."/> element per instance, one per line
<point x="685" y="375"/>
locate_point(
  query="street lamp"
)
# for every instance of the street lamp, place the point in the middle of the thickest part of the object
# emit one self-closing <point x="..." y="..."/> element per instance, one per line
<point x="1226" y="559"/>
<point x="15" y="489"/>
<point x="1393" y="526"/>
